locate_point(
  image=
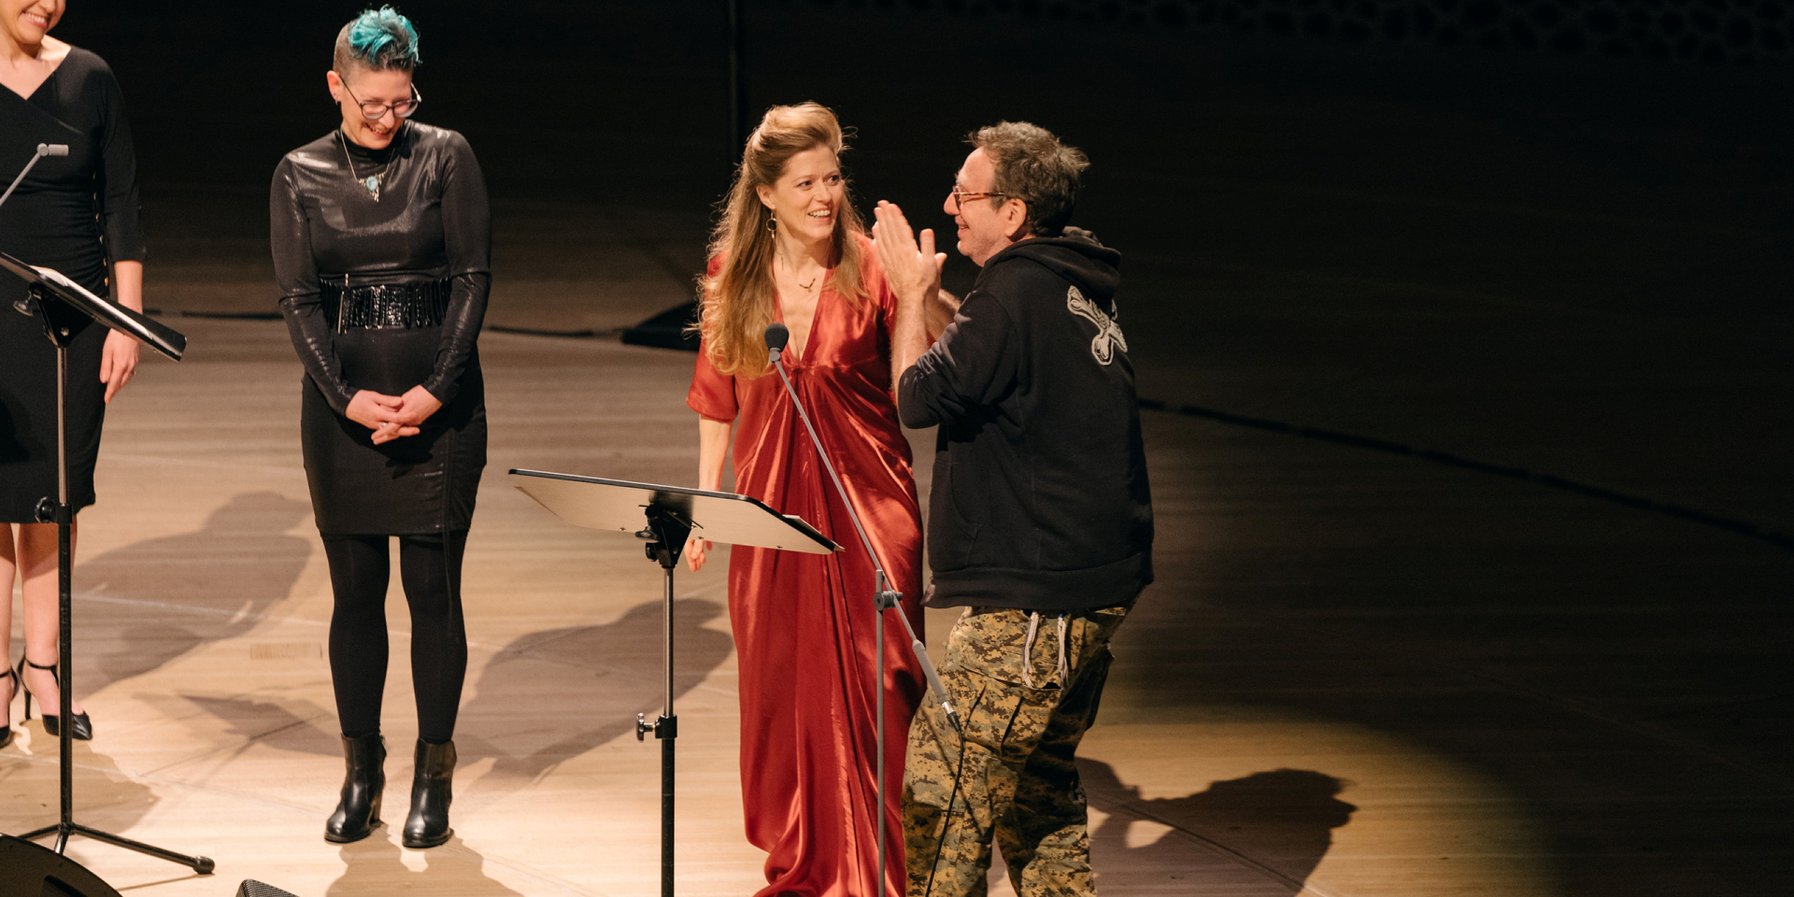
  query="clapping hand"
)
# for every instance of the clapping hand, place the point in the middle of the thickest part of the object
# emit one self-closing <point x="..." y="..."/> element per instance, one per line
<point x="912" y="267"/>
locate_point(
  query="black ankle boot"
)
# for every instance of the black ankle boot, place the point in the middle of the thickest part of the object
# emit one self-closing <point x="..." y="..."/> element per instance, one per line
<point x="431" y="791"/>
<point x="358" y="811"/>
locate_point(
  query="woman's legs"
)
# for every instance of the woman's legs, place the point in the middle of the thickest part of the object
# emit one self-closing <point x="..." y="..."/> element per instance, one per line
<point x="9" y="570"/>
<point x="36" y="563"/>
<point x="359" y="570"/>
<point x="430" y="569"/>
<point x="9" y="566"/>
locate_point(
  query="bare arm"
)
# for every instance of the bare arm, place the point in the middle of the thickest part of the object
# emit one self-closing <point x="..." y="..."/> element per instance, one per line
<point x="118" y="360"/>
<point x="713" y="452"/>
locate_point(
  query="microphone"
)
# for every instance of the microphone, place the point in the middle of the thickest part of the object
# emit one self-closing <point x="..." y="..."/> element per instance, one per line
<point x="43" y="149"/>
<point x="777" y="335"/>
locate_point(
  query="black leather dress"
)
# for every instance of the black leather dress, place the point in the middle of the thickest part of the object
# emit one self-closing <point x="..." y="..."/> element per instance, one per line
<point x="386" y="291"/>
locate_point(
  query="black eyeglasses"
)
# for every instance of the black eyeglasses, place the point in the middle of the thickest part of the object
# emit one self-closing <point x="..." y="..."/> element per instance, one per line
<point x="961" y="197"/>
<point x="377" y="111"/>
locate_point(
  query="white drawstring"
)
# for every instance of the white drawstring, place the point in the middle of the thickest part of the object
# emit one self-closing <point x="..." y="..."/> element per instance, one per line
<point x="1028" y="650"/>
<point x="1064" y="660"/>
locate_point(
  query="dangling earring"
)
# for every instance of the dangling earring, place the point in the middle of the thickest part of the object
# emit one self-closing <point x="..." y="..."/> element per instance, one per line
<point x="772" y="222"/>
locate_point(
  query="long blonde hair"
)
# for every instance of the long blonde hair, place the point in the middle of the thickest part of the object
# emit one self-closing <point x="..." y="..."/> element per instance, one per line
<point x="738" y="298"/>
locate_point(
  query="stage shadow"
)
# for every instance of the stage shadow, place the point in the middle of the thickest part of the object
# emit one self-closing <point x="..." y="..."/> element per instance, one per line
<point x="1272" y="826"/>
<point x="225" y="574"/>
<point x="376" y="866"/>
<point x="291" y="726"/>
<point x="105" y="796"/>
<point x="597" y="678"/>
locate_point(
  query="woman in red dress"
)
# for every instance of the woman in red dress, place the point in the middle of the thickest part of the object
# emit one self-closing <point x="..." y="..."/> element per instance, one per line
<point x="790" y="248"/>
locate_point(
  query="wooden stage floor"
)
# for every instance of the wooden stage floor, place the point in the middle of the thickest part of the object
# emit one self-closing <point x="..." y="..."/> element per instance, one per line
<point x="1358" y="674"/>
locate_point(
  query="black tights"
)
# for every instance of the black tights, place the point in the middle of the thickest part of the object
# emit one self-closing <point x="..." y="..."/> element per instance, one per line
<point x="430" y="570"/>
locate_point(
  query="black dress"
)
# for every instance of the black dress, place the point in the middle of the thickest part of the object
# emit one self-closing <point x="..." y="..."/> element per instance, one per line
<point x="386" y="292"/>
<point x="74" y="213"/>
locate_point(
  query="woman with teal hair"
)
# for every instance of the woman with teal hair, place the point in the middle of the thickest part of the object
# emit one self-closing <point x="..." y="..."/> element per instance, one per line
<point x="381" y="238"/>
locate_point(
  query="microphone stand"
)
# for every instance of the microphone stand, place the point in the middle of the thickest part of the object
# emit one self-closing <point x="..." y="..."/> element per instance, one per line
<point x="777" y="335"/>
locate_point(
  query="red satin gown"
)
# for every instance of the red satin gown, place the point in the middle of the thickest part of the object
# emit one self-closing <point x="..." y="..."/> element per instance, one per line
<point x="803" y="623"/>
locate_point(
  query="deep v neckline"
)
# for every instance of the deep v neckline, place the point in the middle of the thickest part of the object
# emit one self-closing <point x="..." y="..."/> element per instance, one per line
<point x="803" y="351"/>
<point x="26" y="98"/>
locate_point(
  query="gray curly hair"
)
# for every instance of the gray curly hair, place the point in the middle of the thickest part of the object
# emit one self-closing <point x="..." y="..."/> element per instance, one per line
<point x="1035" y="167"/>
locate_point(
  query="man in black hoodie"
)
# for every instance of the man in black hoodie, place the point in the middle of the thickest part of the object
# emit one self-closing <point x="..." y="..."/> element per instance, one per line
<point x="1040" y="519"/>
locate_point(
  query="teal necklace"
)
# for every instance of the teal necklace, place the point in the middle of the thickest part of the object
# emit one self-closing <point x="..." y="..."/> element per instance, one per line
<point x="372" y="182"/>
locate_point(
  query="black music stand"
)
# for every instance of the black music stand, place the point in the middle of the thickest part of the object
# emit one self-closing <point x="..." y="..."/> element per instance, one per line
<point x="664" y="516"/>
<point x="62" y="304"/>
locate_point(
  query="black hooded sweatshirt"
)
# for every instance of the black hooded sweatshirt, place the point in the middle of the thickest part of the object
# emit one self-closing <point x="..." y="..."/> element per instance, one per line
<point x="1040" y="499"/>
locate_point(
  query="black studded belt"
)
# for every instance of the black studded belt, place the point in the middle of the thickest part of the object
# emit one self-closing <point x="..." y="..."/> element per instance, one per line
<point x="385" y="306"/>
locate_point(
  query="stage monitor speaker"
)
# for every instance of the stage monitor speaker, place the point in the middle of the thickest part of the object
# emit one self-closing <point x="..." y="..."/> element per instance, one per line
<point x="257" y="889"/>
<point x="33" y="870"/>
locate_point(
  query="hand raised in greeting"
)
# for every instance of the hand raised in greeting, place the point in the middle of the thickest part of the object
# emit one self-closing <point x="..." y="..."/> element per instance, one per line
<point x="911" y="266"/>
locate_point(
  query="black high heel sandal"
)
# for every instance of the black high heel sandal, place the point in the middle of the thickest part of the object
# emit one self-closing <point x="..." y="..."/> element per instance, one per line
<point x="80" y="725"/>
<point x="13" y="692"/>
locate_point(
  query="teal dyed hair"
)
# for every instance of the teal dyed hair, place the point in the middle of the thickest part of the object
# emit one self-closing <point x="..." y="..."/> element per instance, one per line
<point x="379" y="39"/>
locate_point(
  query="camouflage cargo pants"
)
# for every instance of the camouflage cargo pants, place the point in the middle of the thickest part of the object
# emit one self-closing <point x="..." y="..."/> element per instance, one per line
<point x="1026" y="691"/>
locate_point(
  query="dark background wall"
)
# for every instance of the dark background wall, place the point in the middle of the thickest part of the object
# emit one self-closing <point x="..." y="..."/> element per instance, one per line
<point x="1712" y="31"/>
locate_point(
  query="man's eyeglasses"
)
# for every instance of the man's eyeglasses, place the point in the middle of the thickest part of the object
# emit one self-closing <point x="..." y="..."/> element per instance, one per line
<point x="961" y="197"/>
<point x="377" y="111"/>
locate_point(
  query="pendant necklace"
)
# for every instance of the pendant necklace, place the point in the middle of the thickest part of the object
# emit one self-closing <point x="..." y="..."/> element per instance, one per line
<point x="372" y="181"/>
<point x="802" y="286"/>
